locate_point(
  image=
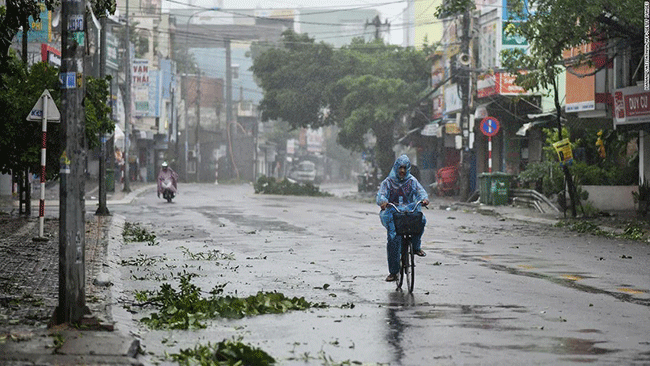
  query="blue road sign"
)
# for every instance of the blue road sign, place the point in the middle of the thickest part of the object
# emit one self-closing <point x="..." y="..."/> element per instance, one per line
<point x="490" y="126"/>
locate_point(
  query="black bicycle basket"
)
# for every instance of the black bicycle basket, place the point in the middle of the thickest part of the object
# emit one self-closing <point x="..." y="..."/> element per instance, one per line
<point x="408" y="223"/>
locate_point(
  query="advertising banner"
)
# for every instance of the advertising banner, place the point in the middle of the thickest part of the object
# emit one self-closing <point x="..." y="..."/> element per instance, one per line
<point x="498" y="83"/>
<point x="50" y="55"/>
<point x="580" y="85"/>
<point x="506" y="84"/>
<point x="631" y="105"/>
<point x="112" y="44"/>
<point x="564" y="152"/>
<point x="140" y="85"/>
<point x="453" y="103"/>
<point x="39" y="31"/>
<point x="315" y="140"/>
<point x="485" y="85"/>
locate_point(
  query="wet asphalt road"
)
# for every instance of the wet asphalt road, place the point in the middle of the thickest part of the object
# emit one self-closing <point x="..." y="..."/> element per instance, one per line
<point x="489" y="291"/>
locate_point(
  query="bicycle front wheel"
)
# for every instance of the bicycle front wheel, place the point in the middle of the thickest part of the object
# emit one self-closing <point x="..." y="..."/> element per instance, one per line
<point x="404" y="264"/>
<point x="410" y="265"/>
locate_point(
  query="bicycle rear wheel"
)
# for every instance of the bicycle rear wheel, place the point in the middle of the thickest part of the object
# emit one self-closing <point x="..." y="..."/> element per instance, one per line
<point x="410" y="265"/>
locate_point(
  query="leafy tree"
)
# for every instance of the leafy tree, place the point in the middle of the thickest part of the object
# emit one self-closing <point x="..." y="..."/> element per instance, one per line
<point x="363" y="87"/>
<point x="21" y="140"/>
<point x="97" y="111"/>
<point x="102" y="8"/>
<point x="294" y="78"/>
<point x="13" y="15"/>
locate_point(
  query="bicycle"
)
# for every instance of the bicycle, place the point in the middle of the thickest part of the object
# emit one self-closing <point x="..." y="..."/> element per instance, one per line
<point x="407" y="224"/>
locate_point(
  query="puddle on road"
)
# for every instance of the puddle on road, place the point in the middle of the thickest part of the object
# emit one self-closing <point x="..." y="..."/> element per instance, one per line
<point x="475" y="316"/>
<point x="572" y="277"/>
<point x="632" y="291"/>
<point x="557" y="346"/>
<point x="499" y="318"/>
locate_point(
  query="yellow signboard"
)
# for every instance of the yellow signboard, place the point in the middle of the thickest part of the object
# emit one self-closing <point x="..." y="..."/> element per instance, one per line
<point x="451" y="128"/>
<point x="564" y="152"/>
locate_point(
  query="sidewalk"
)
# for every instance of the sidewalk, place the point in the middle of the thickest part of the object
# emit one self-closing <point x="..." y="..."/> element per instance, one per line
<point x="29" y="280"/>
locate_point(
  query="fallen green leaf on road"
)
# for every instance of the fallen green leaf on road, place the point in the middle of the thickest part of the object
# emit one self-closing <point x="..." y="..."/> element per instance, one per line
<point x="186" y="309"/>
<point x="223" y="353"/>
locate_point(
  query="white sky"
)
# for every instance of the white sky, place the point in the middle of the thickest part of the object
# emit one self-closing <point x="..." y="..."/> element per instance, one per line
<point x="391" y="10"/>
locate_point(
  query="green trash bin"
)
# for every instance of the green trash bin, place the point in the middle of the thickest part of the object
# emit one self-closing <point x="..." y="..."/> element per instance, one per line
<point x="499" y="189"/>
<point x="110" y="180"/>
<point x="485" y="184"/>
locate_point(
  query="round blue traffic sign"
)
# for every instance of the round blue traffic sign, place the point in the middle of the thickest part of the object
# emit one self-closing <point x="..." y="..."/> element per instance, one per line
<point x="490" y="126"/>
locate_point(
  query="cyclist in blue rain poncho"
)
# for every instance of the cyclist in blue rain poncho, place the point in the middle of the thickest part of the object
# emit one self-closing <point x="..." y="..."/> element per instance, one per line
<point x="401" y="189"/>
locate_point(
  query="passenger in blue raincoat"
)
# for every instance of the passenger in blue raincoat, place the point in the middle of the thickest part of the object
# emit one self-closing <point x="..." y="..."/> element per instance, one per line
<point x="401" y="189"/>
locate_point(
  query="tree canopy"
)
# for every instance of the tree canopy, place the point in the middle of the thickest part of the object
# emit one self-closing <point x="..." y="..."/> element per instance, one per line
<point x="21" y="86"/>
<point x="20" y="140"/>
<point x="363" y="88"/>
<point x="13" y="15"/>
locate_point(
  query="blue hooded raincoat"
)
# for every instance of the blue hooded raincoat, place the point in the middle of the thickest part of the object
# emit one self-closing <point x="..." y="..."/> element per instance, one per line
<point x="405" y="192"/>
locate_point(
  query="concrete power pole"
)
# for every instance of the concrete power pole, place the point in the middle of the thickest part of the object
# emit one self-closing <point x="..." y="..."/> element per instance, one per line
<point x="464" y="81"/>
<point x="376" y="22"/>
<point x="23" y="177"/>
<point x="197" y="145"/>
<point x="230" y="123"/>
<point x="102" y="210"/>
<point x="185" y="88"/>
<point x="72" y="302"/>
<point x="127" y="105"/>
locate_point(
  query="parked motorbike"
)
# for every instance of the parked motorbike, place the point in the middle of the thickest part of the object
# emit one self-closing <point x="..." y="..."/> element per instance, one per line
<point x="168" y="190"/>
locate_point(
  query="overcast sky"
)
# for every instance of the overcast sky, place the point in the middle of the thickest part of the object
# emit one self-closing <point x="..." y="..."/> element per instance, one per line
<point x="391" y="10"/>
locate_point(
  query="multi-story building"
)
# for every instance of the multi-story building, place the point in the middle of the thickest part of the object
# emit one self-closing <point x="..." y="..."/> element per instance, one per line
<point x="421" y="23"/>
<point x="152" y="126"/>
<point x="610" y="90"/>
<point x="492" y="93"/>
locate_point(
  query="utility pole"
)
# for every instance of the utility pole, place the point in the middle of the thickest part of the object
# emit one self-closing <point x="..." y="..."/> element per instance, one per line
<point x="464" y="84"/>
<point x="127" y="107"/>
<point x="24" y="176"/>
<point x="173" y="125"/>
<point x="72" y="302"/>
<point x="197" y="145"/>
<point x="185" y="125"/>
<point x="376" y="22"/>
<point x="229" y="117"/>
<point x="102" y="210"/>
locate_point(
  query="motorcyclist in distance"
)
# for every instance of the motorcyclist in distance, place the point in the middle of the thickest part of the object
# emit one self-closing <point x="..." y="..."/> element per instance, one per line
<point x="167" y="173"/>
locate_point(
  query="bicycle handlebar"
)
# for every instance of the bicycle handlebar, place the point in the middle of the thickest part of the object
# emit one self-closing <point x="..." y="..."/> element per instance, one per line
<point x="414" y="207"/>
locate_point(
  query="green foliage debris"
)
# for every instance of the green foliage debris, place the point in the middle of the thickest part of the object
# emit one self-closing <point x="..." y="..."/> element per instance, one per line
<point x="633" y="230"/>
<point x="134" y="232"/>
<point x="226" y="352"/>
<point x="269" y="185"/>
<point x="211" y="255"/>
<point x="186" y="308"/>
